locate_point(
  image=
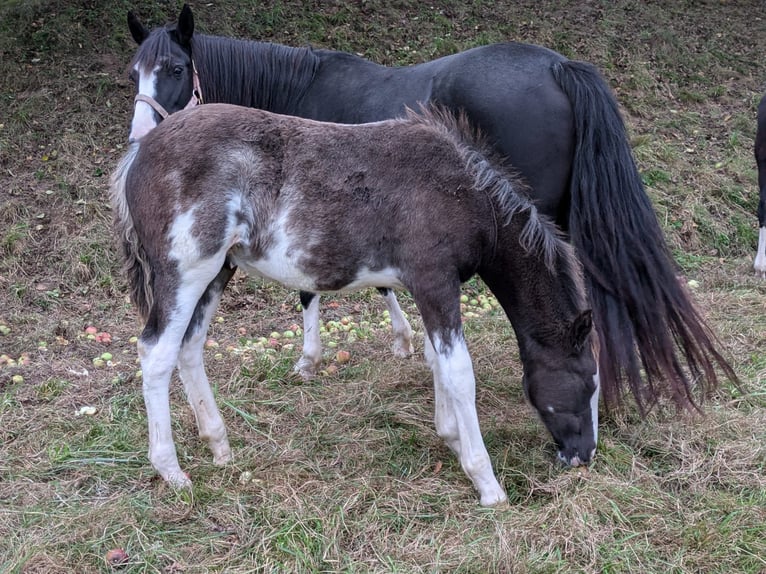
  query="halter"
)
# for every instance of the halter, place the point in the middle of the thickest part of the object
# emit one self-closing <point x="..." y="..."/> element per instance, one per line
<point x="196" y="97"/>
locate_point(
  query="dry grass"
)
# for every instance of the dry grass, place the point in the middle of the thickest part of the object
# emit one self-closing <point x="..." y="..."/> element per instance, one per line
<point x="346" y="474"/>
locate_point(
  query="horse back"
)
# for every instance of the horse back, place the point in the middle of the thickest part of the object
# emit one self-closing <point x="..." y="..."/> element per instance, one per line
<point x="505" y="89"/>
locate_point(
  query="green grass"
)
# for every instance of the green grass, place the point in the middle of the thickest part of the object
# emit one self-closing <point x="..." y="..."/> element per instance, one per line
<point x="345" y="473"/>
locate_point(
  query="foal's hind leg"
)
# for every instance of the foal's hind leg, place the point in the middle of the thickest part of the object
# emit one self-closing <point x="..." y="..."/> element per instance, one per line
<point x="312" y="346"/>
<point x="159" y="348"/>
<point x="402" y="331"/>
<point x="455" y="390"/>
<point x="191" y="369"/>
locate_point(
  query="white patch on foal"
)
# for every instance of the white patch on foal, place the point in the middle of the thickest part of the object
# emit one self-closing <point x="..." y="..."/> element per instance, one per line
<point x="760" y="258"/>
<point x="280" y="263"/>
<point x="143" y="114"/>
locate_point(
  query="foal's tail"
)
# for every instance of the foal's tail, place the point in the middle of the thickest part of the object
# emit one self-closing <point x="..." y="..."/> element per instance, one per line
<point x="645" y="317"/>
<point x="135" y="262"/>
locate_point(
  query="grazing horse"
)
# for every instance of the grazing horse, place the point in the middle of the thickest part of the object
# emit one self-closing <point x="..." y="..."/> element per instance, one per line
<point x="417" y="203"/>
<point x="556" y="122"/>
<point x="760" y="159"/>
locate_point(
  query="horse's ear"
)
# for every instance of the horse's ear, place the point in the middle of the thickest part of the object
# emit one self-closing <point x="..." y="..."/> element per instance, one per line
<point x="580" y="329"/>
<point x="185" y="28"/>
<point x="137" y="29"/>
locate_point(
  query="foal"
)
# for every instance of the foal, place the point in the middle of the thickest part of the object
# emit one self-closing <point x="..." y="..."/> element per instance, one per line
<point x="416" y="203"/>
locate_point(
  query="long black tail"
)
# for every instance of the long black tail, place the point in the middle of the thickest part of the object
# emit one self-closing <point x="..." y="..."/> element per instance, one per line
<point x="645" y="317"/>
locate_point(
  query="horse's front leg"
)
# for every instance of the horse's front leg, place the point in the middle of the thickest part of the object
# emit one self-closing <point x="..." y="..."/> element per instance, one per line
<point x="455" y="393"/>
<point x="307" y="365"/>
<point x="191" y="369"/>
<point x="401" y="328"/>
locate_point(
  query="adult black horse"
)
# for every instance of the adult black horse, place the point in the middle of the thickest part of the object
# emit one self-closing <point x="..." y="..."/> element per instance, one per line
<point x="554" y="119"/>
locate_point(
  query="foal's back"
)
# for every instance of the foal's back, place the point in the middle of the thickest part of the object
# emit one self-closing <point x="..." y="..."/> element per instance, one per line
<point x="375" y="194"/>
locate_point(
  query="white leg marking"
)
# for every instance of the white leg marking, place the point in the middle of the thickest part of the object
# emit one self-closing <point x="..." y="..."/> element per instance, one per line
<point x="312" y="346"/>
<point x="191" y="369"/>
<point x="143" y="114"/>
<point x="760" y="259"/>
<point x="453" y="373"/>
<point x="444" y="418"/>
<point x="157" y="362"/>
<point x="594" y="411"/>
<point x="402" y="331"/>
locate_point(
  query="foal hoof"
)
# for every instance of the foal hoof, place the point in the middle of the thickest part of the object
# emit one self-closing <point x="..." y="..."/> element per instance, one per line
<point x="178" y="480"/>
<point x="403" y="349"/>
<point x="222" y="457"/>
<point x="495" y="499"/>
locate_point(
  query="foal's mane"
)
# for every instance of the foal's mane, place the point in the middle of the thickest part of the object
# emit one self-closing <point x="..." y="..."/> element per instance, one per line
<point x="246" y="73"/>
<point x="508" y="192"/>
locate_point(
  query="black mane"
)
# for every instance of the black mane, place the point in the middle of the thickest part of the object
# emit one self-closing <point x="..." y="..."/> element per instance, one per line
<point x="252" y="74"/>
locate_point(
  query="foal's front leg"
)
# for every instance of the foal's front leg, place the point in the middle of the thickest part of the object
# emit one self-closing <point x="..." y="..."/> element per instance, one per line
<point x="455" y="413"/>
<point x="455" y="390"/>
<point x="191" y="369"/>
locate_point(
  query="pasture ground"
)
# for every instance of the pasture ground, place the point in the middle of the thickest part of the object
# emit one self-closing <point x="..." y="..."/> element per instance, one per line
<point x="346" y="473"/>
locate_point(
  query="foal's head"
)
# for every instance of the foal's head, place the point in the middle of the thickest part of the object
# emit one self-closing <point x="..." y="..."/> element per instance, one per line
<point x="162" y="71"/>
<point x="562" y="384"/>
<point x="536" y="276"/>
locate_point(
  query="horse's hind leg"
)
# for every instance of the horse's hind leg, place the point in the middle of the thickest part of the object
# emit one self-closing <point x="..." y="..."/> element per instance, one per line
<point x="402" y="331"/>
<point x="312" y="346"/>
<point x="191" y="369"/>
<point x="455" y="415"/>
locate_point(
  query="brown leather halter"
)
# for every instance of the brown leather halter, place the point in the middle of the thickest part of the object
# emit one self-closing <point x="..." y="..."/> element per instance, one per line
<point x="196" y="97"/>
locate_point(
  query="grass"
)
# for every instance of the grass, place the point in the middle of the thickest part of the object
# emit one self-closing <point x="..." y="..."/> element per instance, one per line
<point x="345" y="473"/>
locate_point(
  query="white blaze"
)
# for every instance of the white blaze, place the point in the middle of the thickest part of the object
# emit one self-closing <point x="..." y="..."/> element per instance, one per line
<point x="594" y="410"/>
<point x="143" y="114"/>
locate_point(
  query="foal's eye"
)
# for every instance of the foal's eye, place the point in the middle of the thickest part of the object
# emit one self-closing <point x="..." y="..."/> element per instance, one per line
<point x="178" y="71"/>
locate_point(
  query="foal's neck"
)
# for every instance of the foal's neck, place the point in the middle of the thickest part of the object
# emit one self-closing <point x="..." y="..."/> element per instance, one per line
<point x="539" y="301"/>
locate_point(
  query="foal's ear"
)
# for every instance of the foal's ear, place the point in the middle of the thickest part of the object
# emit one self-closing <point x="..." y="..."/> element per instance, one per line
<point x="137" y="29"/>
<point x="580" y="329"/>
<point x="185" y="28"/>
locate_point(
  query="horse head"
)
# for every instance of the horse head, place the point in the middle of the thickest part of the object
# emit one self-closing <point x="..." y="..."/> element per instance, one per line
<point x="163" y="72"/>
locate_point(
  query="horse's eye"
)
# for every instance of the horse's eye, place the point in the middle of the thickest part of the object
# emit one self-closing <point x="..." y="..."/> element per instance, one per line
<point x="132" y="76"/>
<point x="178" y="71"/>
